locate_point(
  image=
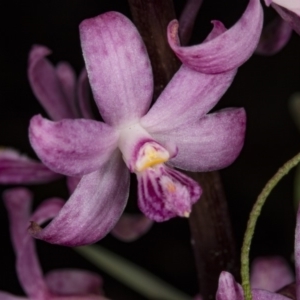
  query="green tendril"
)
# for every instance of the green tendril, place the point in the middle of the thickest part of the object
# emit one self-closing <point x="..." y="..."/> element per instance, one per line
<point x="245" y="274"/>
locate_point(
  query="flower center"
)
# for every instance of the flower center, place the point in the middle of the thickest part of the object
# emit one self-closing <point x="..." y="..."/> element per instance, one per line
<point x="140" y="151"/>
<point x="149" y="155"/>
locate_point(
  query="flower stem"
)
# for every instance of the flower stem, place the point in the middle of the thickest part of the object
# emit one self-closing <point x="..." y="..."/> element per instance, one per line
<point x="152" y="17"/>
<point x="212" y="237"/>
<point x="245" y="274"/>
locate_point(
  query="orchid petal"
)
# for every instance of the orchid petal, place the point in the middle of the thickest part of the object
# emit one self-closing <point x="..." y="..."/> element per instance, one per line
<point x="212" y="143"/>
<point x="73" y="282"/>
<point x="228" y="288"/>
<point x="218" y="29"/>
<point x="291" y="17"/>
<point x="187" y="19"/>
<point x="118" y="67"/>
<point x="27" y="264"/>
<point x="131" y="227"/>
<point x="270" y="273"/>
<point x="227" y="51"/>
<point x="18" y="202"/>
<point x="7" y="296"/>
<point x="72" y="147"/>
<point x="93" y="209"/>
<point x="274" y="37"/>
<point x="164" y="193"/>
<point x="19" y="169"/>
<point x="47" y="85"/>
<point x="67" y="79"/>
<point x="83" y="96"/>
<point x="189" y="96"/>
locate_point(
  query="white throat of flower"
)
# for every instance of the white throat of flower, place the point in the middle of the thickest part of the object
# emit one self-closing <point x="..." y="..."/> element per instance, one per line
<point x="140" y="151"/>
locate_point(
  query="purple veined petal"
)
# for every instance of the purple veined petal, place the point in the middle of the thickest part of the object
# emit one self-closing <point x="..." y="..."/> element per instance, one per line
<point x="228" y="288"/>
<point x="187" y="20"/>
<point x="212" y="143"/>
<point x="83" y="96"/>
<point x="73" y="282"/>
<point x="7" y="296"/>
<point x="274" y="37"/>
<point x="164" y="193"/>
<point x="118" y="67"/>
<point x="93" y="209"/>
<point x="16" y="168"/>
<point x="18" y="202"/>
<point x="227" y="51"/>
<point x="293" y="18"/>
<point x="72" y="147"/>
<point x="188" y="97"/>
<point x="131" y="227"/>
<point x="270" y="273"/>
<point x="46" y="84"/>
<point x="67" y="79"/>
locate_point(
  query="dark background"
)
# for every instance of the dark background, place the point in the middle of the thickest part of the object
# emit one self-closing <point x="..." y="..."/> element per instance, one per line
<point x="263" y="86"/>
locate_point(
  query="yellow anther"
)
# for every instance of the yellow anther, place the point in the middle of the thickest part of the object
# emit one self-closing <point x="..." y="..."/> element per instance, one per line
<point x="150" y="156"/>
<point x="151" y="163"/>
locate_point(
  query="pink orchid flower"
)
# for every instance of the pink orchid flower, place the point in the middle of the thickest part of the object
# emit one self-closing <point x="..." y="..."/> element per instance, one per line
<point x="59" y="284"/>
<point x="177" y="131"/>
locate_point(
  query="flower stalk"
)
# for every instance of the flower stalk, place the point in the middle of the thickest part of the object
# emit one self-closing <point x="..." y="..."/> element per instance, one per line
<point x="152" y="17"/>
<point x="256" y="210"/>
<point x="212" y="236"/>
